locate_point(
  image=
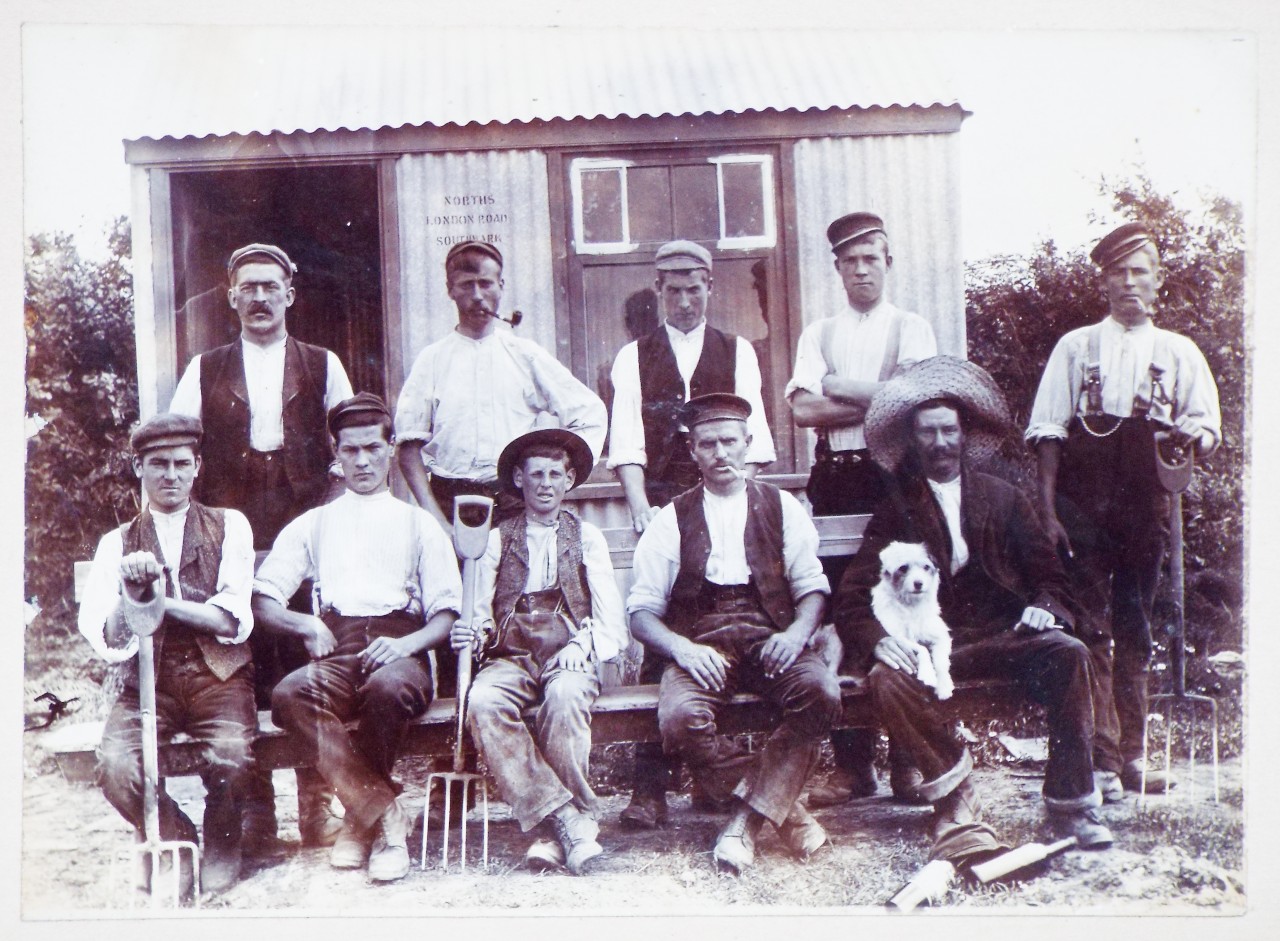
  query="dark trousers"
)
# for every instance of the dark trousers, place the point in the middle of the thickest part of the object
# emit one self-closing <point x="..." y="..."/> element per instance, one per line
<point x="218" y="714"/>
<point x="770" y="782"/>
<point x="315" y="703"/>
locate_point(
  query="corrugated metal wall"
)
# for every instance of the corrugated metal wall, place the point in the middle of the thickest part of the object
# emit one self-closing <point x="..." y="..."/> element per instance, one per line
<point x="911" y="181"/>
<point x="445" y="198"/>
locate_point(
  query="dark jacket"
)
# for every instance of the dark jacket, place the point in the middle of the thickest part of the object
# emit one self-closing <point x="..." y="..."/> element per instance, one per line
<point x="1012" y="564"/>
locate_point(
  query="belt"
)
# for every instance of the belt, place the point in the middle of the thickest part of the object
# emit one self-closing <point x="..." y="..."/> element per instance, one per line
<point x="724" y="599"/>
<point x="850" y="458"/>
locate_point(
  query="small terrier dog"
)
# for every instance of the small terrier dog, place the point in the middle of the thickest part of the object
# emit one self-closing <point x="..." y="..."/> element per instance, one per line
<point x="905" y="602"/>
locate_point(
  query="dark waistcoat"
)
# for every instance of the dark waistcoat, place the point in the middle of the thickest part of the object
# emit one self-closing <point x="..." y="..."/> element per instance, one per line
<point x="662" y="390"/>
<point x="513" y="567"/>
<point x="764" y="556"/>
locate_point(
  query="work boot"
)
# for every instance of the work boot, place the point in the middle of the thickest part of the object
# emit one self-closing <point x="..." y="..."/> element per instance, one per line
<point x="221" y="857"/>
<point x="389" y="857"/>
<point x="318" y="825"/>
<point x="905" y="780"/>
<point x="1109" y="785"/>
<point x="351" y="848"/>
<point x="802" y="834"/>
<point x="735" y="849"/>
<point x="577" y="834"/>
<point x="545" y="853"/>
<point x="1085" y="825"/>
<point x="645" y="812"/>
<point x="1157" y="782"/>
<point x="844" y="785"/>
<point x="258" y="823"/>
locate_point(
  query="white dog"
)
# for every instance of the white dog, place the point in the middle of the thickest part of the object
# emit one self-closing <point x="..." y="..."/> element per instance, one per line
<point x="905" y="602"/>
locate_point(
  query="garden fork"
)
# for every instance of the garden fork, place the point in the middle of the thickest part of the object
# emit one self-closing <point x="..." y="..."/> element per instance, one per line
<point x="472" y="519"/>
<point x="1175" y="474"/>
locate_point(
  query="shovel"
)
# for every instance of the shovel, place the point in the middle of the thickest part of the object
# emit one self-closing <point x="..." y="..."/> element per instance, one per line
<point x="472" y="519"/>
<point x="1174" y="464"/>
<point x="143" y="609"/>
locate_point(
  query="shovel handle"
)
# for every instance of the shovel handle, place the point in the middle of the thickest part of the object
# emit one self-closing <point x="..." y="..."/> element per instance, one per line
<point x="150" y="747"/>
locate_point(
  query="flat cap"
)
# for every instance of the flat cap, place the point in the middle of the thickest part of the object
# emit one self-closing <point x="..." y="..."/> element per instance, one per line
<point x="473" y="246"/>
<point x="682" y="255"/>
<point x="853" y="226"/>
<point x="261" y="252"/>
<point x="715" y="406"/>
<point x="167" y="430"/>
<point x="1121" y="243"/>
<point x="580" y="456"/>
<point x="363" y="408"/>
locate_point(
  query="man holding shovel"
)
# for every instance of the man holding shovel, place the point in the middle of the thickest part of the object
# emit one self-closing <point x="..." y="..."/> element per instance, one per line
<point x="197" y="563"/>
<point x="388" y="590"/>
<point x="550" y="611"/>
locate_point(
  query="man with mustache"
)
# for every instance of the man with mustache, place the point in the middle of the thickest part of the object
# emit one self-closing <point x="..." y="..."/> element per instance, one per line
<point x="1002" y="590"/>
<point x="477" y="389"/>
<point x="262" y="400"/>
<point x="1109" y="390"/>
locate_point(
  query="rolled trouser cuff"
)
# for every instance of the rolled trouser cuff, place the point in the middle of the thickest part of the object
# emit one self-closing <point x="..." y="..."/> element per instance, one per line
<point x="949" y="780"/>
<point x="1071" y="805"/>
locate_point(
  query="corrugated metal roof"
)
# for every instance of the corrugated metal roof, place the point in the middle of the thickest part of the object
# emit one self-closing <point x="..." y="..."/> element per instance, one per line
<point x="289" y="79"/>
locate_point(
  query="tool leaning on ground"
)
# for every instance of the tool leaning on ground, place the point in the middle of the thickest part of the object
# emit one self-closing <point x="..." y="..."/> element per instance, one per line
<point x="143" y="607"/>
<point x="472" y="520"/>
<point x="1020" y="857"/>
<point x="1175" y="462"/>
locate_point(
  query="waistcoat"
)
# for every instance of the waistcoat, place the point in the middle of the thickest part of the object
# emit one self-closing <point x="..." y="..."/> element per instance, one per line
<point x="513" y="567"/>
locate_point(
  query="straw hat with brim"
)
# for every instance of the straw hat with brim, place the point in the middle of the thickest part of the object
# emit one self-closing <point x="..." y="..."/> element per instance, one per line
<point x="984" y="412"/>
<point x="579" y="452"/>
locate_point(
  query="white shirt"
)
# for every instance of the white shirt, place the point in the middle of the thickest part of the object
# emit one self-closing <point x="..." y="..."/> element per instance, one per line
<point x="466" y="399"/>
<point x="264" y="381"/>
<point x="1125" y="355"/>
<point x="657" y="557"/>
<point x="370" y="555"/>
<point x="232" y="594"/>
<point x="948" y="497"/>
<point x="626" y="428"/>
<point x="856" y="344"/>
<point x="608" y="634"/>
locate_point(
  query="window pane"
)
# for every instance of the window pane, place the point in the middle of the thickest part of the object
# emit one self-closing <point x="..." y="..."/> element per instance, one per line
<point x="649" y="203"/>
<point x="602" y="205"/>
<point x="743" y="200"/>
<point x="696" y="202"/>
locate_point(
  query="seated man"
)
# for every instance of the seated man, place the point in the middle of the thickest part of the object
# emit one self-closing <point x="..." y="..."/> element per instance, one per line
<point x="205" y="558"/>
<point x="728" y="587"/>
<point x="1003" y="592"/>
<point x="547" y="579"/>
<point x="388" y="590"/>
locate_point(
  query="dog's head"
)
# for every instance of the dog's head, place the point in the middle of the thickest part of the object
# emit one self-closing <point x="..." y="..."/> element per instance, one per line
<point x="909" y="570"/>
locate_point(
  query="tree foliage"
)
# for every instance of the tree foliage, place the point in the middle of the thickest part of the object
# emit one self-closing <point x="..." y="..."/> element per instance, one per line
<point x="1017" y="307"/>
<point x="82" y="381"/>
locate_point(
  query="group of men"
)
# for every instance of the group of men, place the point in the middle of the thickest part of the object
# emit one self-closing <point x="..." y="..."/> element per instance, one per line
<point x="355" y="587"/>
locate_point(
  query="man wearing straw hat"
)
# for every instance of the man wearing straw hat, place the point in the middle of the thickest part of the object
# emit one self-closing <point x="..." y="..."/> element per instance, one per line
<point x="548" y="612"/>
<point x="388" y="590"/>
<point x="204" y="686"/>
<point x="1108" y="389"/>
<point x="728" y="589"/>
<point x="1002" y="590"/>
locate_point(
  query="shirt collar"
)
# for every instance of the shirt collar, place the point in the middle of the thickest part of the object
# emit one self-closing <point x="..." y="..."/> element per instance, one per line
<point x="678" y="336"/>
<point x="349" y="494"/>
<point x="170" y="519"/>
<point x="880" y="305"/>
<point x="267" y="350"/>
<point x="1117" y="327"/>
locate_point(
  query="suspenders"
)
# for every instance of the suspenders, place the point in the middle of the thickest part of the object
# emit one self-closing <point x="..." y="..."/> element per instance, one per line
<point x="1150" y="391"/>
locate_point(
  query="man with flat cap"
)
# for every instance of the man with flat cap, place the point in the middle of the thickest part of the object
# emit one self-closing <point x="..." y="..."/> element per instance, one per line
<point x="196" y="563"/>
<point x="1002" y="591"/>
<point x="387" y="590"/>
<point x="841" y="361"/>
<point x="728" y="589"/>
<point x="477" y="389"/>
<point x="262" y="400"/>
<point x="1110" y="391"/>
<point x="653" y="377"/>
<point x="548" y="614"/>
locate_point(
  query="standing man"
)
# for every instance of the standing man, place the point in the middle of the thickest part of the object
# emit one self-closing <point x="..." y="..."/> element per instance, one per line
<point x="653" y="378"/>
<point x="1109" y="393"/>
<point x="841" y="361"/>
<point x="262" y="400"/>
<point x="728" y="589"/>
<point x="479" y="388"/>
<point x="1002" y="590"/>
<point x="197" y="565"/>
<point x="387" y="581"/>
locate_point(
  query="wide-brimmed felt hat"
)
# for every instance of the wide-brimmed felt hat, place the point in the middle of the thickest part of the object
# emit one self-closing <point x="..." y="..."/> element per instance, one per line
<point x="579" y="452"/>
<point x="983" y="410"/>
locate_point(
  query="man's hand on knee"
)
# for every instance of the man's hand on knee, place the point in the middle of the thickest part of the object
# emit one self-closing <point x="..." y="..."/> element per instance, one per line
<point x="895" y="653"/>
<point x="384" y="650"/>
<point x="571" y="657"/>
<point x="318" y="639"/>
<point x="706" y="665"/>
<point x="780" y="651"/>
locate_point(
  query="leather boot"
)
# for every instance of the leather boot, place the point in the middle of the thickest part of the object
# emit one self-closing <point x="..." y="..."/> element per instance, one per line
<point x="221" y="856"/>
<point x="258" y="803"/>
<point x="802" y="834"/>
<point x="735" y="849"/>
<point x="318" y="825"/>
<point x="904" y="777"/>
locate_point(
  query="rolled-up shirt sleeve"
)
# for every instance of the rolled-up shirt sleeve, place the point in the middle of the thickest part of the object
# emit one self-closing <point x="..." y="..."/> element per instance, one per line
<point x="1055" y="401"/>
<point x="800" y="550"/>
<point x="810" y="364"/>
<point x="235" y="576"/>
<point x="416" y="406"/>
<point x="626" y="424"/>
<point x="288" y="563"/>
<point x="100" y="597"/>
<point x="655" y="564"/>
<point x="746" y="382"/>
<point x="609" y="634"/>
<point x="337" y="387"/>
<point x="438" y="575"/>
